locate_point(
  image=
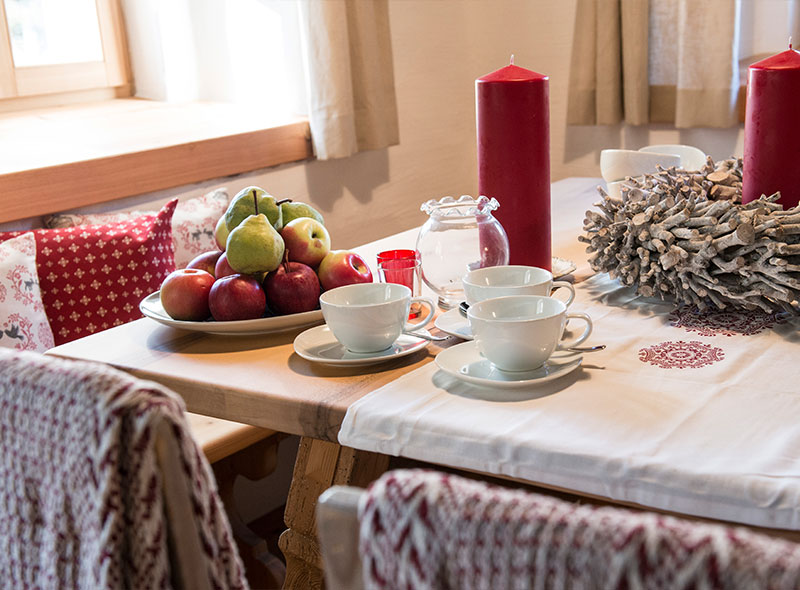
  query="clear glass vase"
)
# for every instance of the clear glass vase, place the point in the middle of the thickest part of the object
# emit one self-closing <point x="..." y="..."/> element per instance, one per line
<point x="459" y="235"/>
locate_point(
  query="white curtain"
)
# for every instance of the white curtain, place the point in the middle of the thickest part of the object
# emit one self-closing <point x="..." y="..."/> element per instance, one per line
<point x="352" y="104"/>
<point x="330" y="60"/>
<point x="670" y="61"/>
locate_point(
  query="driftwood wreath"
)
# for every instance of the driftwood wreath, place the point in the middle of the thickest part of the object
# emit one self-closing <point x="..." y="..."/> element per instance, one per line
<point x="685" y="236"/>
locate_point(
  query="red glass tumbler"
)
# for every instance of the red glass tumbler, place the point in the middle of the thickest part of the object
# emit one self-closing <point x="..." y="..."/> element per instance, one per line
<point x="404" y="268"/>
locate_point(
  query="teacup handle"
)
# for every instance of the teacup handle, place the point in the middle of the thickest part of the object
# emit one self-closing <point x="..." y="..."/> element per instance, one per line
<point x="409" y="326"/>
<point x="582" y="337"/>
<point x="567" y="285"/>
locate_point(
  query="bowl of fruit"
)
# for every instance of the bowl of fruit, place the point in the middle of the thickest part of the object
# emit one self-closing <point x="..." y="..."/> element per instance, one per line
<point x="273" y="262"/>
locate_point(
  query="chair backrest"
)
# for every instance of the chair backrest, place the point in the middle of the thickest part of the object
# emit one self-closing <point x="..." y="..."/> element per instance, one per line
<point x="103" y="485"/>
<point x="424" y="529"/>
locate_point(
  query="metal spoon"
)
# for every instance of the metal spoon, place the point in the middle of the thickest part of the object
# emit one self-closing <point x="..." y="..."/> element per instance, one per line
<point x="425" y="335"/>
<point x="585" y="348"/>
<point x="463" y="307"/>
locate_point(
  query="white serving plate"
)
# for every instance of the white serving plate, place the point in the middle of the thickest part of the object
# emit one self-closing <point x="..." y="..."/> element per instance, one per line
<point x="151" y="307"/>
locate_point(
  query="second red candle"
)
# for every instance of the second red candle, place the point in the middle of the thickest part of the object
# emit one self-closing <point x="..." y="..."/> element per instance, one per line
<point x="772" y="126"/>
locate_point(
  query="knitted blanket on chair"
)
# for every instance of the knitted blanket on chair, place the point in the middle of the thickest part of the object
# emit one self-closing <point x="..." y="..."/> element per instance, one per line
<point x="102" y="485"/>
<point x="422" y="530"/>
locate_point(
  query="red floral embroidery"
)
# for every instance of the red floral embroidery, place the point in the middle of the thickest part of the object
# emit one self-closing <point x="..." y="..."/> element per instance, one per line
<point x="719" y="322"/>
<point x="681" y="355"/>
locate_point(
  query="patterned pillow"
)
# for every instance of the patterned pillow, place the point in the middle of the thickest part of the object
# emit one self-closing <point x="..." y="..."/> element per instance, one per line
<point x="192" y="225"/>
<point x="93" y="277"/>
<point x="23" y="322"/>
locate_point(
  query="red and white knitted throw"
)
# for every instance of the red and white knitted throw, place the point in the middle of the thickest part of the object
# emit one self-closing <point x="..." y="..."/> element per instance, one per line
<point x="102" y="485"/>
<point x="422" y="530"/>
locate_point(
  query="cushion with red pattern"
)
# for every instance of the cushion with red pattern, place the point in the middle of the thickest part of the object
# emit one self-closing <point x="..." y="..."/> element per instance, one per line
<point x="192" y="225"/>
<point x="23" y="322"/>
<point x="93" y="277"/>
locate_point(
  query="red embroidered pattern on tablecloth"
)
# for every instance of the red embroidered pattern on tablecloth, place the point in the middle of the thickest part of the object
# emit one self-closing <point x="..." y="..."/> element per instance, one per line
<point x="720" y="322"/>
<point x="681" y="355"/>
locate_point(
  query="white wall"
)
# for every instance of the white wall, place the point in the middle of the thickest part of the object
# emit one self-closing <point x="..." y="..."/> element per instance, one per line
<point x="440" y="47"/>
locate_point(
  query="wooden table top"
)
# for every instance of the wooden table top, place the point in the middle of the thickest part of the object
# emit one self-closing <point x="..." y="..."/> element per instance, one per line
<point x="259" y="379"/>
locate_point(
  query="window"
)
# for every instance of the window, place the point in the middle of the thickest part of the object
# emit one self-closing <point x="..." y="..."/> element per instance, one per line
<point x="58" y="46"/>
<point x="63" y="138"/>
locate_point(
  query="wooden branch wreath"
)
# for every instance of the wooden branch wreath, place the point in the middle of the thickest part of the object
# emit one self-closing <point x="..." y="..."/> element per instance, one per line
<point x="685" y="236"/>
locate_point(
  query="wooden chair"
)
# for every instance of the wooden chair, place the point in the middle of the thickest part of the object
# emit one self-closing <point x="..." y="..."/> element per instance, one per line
<point x="426" y="529"/>
<point x="103" y="485"/>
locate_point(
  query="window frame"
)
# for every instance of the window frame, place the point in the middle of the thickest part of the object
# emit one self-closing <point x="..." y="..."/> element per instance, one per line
<point x="112" y="72"/>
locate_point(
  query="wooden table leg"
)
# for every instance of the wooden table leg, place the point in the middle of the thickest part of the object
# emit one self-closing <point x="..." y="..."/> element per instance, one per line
<point x="319" y="465"/>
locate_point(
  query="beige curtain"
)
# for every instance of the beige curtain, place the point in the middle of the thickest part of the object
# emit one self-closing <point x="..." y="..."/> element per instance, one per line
<point x="655" y="61"/>
<point x="350" y="77"/>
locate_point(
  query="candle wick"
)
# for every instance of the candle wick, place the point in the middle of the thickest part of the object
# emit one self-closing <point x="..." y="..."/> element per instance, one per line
<point x="512" y="57"/>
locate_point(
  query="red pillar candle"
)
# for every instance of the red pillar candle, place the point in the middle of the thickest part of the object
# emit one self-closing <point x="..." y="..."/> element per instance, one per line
<point x="513" y="120"/>
<point x="772" y="129"/>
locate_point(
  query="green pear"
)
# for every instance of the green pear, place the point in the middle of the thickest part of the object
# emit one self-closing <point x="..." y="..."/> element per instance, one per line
<point x="244" y="204"/>
<point x="254" y="246"/>
<point x="292" y="210"/>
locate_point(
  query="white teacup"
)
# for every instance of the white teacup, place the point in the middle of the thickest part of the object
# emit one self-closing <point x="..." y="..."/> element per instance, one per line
<point x="503" y="281"/>
<point x="520" y="332"/>
<point x="369" y="317"/>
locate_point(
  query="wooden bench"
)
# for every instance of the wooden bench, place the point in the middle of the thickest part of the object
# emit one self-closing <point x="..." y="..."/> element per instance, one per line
<point x="222" y="438"/>
<point x="235" y="449"/>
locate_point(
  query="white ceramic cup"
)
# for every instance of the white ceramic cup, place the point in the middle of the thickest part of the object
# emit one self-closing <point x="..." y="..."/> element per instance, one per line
<point x="617" y="164"/>
<point x="520" y="332"/>
<point x="502" y="281"/>
<point x="369" y="317"/>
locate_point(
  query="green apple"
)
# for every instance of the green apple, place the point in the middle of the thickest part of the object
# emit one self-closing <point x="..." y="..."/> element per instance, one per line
<point x="244" y="204"/>
<point x="254" y="246"/>
<point x="292" y="210"/>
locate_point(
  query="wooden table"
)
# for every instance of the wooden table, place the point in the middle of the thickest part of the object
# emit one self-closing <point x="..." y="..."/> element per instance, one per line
<point x="259" y="380"/>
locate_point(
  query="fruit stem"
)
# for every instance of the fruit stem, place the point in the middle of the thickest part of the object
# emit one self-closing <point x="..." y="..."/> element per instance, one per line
<point x="283" y="201"/>
<point x="255" y="200"/>
<point x="286" y="260"/>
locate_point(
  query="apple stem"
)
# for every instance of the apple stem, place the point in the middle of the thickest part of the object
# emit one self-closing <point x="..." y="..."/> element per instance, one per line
<point x="255" y="200"/>
<point x="286" y="260"/>
<point x="283" y="201"/>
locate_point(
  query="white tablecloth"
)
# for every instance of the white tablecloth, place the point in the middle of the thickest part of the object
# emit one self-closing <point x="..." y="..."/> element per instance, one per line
<point x="693" y="414"/>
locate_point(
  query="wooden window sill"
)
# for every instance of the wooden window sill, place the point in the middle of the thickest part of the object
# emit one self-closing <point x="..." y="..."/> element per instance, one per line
<point x="58" y="159"/>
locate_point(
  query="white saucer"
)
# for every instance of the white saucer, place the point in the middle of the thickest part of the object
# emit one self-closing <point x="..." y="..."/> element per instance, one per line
<point x="561" y="267"/>
<point x="319" y="345"/>
<point x="453" y="323"/>
<point x="465" y="362"/>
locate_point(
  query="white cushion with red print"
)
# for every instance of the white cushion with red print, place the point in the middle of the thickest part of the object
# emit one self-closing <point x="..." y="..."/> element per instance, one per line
<point x="23" y="322"/>
<point x="192" y="225"/>
<point x="93" y="277"/>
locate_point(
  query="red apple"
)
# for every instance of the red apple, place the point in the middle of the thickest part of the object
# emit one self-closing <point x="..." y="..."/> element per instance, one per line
<point x="343" y="267"/>
<point x="237" y="297"/>
<point x="293" y="287"/>
<point x="185" y="292"/>
<point x="206" y="261"/>
<point x="307" y="240"/>
<point x="222" y="268"/>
